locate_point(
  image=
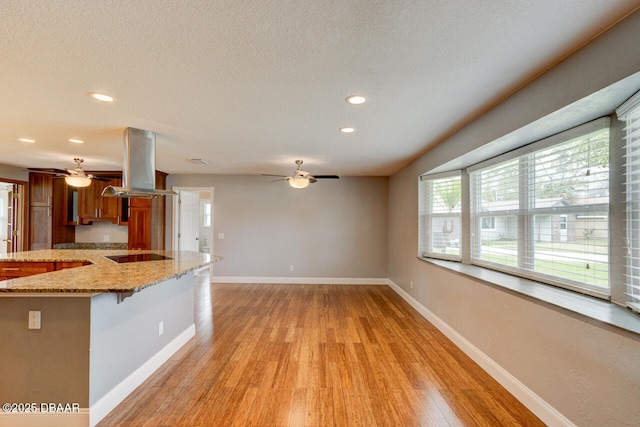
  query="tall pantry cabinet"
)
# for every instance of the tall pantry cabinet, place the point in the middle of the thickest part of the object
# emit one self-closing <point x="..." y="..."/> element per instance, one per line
<point x="46" y="222"/>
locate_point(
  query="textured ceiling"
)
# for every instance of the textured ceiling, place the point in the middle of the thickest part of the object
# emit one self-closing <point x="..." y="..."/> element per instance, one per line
<point x="253" y="85"/>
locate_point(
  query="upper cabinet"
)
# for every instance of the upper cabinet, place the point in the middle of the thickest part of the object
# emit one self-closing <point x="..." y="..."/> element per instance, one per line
<point x="40" y="189"/>
<point x="93" y="207"/>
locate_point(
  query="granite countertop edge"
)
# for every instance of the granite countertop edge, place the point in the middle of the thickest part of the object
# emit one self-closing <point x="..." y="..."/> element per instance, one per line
<point x="101" y="275"/>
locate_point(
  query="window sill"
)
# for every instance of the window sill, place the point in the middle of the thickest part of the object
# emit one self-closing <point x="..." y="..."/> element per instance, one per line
<point x="593" y="308"/>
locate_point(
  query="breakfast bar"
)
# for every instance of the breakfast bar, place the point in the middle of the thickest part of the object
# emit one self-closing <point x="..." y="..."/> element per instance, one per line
<point x="81" y="329"/>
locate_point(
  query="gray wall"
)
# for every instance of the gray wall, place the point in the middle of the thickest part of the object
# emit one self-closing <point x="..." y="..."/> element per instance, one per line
<point x="332" y="229"/>
<point x="124" y="336"/>
<point x="14" y="173"/>
<point x="587" y="371"/>
<point x="34" y="363"/>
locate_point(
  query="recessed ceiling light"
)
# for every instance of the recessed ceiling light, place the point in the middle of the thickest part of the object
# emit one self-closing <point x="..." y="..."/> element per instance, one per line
<point x="356" y="99"/>
<point x="76" y="141"/>
<point x="27" y="140"/>
<point x="347" y="129"/>
<point x="102" y="97"/>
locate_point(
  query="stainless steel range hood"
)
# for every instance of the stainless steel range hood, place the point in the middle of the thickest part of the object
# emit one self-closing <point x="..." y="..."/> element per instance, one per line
<point x="139" y="168"/>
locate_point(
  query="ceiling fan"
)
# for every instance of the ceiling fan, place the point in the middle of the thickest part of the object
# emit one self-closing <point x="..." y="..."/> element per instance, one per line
<point x="300" y="178"/>
<point x="74" y="177"/>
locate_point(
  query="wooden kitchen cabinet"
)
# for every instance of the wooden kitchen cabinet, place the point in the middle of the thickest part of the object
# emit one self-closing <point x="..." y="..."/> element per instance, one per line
<point x="93" y="207"/>
<point x="146" y="219"/>
<point x="63" y="265"/>
<point x="40" y="228"/>
<point x="139" y="224"/>
<point x="12" y="270"/>
<point x="59" y="208"/>
<point x="46" y="214"/>
<point x="40" y="189"/>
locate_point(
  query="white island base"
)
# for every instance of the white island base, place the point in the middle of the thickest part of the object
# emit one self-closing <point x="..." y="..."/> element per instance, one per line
<point x="91" y="350"/>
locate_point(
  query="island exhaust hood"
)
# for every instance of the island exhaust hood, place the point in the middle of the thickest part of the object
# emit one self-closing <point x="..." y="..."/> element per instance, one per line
<point x="139" y="167"/>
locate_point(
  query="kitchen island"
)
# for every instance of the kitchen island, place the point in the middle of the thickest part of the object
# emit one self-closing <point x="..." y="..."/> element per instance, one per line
<point x="77" y="341"/>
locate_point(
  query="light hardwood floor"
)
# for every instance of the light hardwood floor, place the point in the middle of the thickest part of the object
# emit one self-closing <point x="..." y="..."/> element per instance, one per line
<point x="316" y="355"/>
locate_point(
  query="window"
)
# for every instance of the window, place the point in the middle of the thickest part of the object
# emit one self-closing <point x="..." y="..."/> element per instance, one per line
<point x="488" y="223"/>
<point x="629" y="112"/>
<point x="564" y="210"/>
<point x="440" y="197"/>
<point x="542" y="211"/>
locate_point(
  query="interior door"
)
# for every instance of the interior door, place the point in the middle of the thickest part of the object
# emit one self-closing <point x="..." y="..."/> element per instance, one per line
<point x="11" y="217"/>
<point x="188" y="221"/>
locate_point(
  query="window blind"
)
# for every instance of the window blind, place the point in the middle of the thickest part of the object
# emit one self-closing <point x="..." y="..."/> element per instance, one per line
<point x="629" y="112"/>
<point x="440" y="210"/>
<point x="542" y="212"/>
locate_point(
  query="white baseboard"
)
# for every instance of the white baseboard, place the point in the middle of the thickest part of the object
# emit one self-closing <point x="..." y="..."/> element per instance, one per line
<point x="300" y="280"/>
<point x="111" y="399"/>
<point x="547" y="413"/>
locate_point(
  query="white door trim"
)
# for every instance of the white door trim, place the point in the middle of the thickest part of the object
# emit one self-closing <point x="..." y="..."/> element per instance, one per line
<point x="175" y="218"/>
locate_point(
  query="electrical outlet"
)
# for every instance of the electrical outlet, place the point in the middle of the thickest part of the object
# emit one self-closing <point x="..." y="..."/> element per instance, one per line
<point x="34" y="319"/>
<point x="291" y="267"/>
<point x="412" y="284"/>
<point x="106" y="237"/>
<point x="160" y="328"/>
<point x="220" y="236"/>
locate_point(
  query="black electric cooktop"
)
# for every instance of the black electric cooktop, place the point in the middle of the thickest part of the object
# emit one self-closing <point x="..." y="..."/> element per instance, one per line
<point x="137" y="257"/>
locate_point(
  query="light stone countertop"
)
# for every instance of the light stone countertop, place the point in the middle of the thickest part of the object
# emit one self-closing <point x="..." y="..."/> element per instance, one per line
<point x="102" y="275"/>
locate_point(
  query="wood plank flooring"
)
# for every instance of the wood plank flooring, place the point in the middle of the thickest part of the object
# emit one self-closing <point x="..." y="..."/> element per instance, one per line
<point x="316" y="355"/>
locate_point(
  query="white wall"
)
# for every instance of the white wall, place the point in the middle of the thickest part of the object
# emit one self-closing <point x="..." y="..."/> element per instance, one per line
<point x="587" y="371"/>
<point x="332" y="229"/>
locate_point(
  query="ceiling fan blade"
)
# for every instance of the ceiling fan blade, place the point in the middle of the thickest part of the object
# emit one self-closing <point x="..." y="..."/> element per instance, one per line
<point x="49" y="170"/>
<point x="326" y="176"/>
<point x="100" y="178"/>
<point x="301" y="178"/>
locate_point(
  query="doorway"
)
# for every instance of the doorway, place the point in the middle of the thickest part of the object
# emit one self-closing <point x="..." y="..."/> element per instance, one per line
<point x="193" y="220"/>
<point x="12" y="216"/>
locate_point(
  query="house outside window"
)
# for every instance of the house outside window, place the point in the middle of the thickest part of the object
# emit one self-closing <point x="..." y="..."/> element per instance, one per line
<point x="488" y="223"/>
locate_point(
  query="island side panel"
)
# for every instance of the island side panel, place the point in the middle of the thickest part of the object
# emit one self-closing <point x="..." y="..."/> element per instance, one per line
<point x="47" y="365"/>
<point x="125" y="335"/>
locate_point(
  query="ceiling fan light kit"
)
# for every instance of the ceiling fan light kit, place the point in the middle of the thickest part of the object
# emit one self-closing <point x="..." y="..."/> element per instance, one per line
<point x="77" y="177"/>
<point x="77" y="181"/>
<point x="298" y="182"/>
